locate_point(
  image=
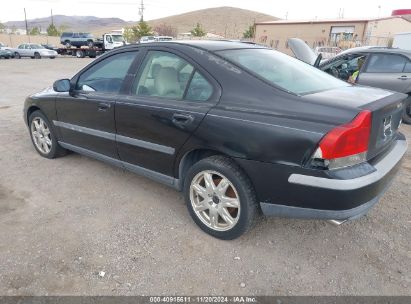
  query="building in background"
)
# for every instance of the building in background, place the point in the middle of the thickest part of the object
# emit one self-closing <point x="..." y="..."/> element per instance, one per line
<point x="343" y="33"/>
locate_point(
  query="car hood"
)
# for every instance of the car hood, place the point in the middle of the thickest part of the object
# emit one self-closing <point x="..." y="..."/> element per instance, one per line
<point x="44" y="93"/>
<point x="303" y="52"/>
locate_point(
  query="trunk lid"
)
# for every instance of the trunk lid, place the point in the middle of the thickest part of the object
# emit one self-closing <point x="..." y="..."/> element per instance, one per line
<point x="386" y="120"/>
<point x="386" y="108"/>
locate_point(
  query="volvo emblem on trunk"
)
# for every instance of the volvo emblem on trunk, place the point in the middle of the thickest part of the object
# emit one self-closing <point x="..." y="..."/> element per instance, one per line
<point x="387" y="126"/>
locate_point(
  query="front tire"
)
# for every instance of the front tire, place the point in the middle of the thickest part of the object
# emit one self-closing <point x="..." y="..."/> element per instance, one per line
<point x="220" y="198"/>
<point x="43" y="136"/>
<point x="406" y="115"/>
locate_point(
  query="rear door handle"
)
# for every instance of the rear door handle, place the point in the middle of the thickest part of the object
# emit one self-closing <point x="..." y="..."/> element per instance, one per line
<point x="103" y="106"/>
<point x="403" y="77"/>
<point x="182" y="120"/>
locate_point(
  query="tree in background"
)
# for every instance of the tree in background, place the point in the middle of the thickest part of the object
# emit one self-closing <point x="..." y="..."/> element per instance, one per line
<point x="52" y="30"/>
<point x="2" y="28"/>
<point x="198" y="31"/>
<point x="128" y="34"/>
<point x="34" y="31"/>
<point x="165" y="30"/>
<point x="134" y="33"/>
<point x="249" y="33"/>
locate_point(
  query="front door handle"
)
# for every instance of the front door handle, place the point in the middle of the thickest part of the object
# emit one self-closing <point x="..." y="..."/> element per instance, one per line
<point x="403" y="77"/>
<point x="182" y="120"/>
<point x="103" y="106"/>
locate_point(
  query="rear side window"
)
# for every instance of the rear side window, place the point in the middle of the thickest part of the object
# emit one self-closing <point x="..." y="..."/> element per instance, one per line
<point x="283" y="71"/>
<point x="199" y="89"/>
<point x="108" y="75"/>
<point x="165" y="75"/>
<point x="386" y="63"/>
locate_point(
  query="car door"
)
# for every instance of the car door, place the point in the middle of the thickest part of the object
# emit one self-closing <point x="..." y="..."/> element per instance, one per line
<point x="387" y="71"/>
<point x="23" y="50"/>
<point x="86" y="114"/>
<point x="169" y="97"/>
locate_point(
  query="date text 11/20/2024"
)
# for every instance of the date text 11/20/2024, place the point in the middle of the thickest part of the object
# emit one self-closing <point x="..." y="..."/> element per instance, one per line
<point x="203" y="299"/>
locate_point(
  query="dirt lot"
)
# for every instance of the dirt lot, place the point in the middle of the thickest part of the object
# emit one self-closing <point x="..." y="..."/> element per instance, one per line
<point x="62" y="221"/>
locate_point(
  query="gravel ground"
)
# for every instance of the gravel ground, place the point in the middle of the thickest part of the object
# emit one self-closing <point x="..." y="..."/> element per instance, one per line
<point x="63" y="221"/>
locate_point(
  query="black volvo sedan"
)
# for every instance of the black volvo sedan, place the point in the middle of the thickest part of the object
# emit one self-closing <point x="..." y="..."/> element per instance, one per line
<point x="239" y="128"/>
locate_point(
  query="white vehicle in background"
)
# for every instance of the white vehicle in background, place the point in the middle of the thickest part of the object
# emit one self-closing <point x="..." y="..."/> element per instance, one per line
<point x="34" y="51"/>
<point x="107" y="42"/>
<point x="163" y="38"/>
<point x="402" y="41"/>
<point x="327" y="52"/>
<point x="112" y="41"/>
<point x="148" y="39"/>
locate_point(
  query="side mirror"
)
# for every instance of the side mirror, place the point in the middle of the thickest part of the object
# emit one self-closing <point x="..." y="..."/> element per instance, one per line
<point x="62" y="85"/>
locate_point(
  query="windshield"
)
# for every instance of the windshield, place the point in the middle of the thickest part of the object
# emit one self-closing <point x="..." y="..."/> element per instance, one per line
<point x="117" y="38"/>
<point x="283" y="71"/>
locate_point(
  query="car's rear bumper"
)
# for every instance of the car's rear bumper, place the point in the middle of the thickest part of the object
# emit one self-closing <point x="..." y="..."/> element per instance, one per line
<point x="324" y="197"/>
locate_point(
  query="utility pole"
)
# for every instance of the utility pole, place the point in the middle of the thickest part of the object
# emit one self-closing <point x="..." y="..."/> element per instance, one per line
<point x="141" y="11"/>
<point x="27" y="27"/>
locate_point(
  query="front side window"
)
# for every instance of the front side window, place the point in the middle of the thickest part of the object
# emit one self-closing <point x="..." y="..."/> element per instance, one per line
<point x="407" y="68"/>
<point x="283" y="71"/>
<point x="107" y="75"/>
<point x="163" y="75"/>
<point x="345" y="66"/>
<point x="386" y="63"/>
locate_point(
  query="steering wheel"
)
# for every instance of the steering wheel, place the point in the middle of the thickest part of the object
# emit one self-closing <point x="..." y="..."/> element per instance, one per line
<point x="335" y="72"/>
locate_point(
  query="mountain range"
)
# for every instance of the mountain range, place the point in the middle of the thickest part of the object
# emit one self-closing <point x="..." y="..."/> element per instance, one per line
<point x="230" y="22"/>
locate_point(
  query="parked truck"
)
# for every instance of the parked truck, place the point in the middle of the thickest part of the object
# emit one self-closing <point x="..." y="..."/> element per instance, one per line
<point x="86" y="45"/>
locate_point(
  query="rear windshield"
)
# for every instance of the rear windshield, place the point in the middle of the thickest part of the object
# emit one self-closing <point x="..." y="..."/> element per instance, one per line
<point x="283" y="71"/>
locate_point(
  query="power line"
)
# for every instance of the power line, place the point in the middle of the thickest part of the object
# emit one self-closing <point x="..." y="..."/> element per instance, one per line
<point x="141" y="10"/>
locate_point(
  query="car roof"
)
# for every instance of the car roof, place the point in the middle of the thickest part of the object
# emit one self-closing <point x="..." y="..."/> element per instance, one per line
<point x="378" y="49"/>
<point x="208" y="45"/>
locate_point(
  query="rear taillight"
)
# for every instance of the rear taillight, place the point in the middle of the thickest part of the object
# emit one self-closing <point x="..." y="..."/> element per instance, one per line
<point x="345" y="145"/>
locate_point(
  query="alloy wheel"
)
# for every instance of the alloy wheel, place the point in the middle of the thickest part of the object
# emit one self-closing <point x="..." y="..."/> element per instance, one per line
<point x="215" y="200"/>
<point x="40" y="133"/>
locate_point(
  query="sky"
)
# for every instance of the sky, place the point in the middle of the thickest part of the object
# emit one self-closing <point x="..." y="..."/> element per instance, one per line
<point x="128" y="9"/>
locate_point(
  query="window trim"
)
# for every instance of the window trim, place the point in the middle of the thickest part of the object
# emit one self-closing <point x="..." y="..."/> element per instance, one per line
<point x="214" y="97"/>
<point x="74" y="81"/>
<point x="365" y="67"/>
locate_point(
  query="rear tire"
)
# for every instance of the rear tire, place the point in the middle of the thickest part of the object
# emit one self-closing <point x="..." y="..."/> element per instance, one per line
<point x="80" y="54"/>
<point x="406" y="115"/>
<point x="17" y="55"/>
<point x="37" y="56"/>
<point x="43" y="136"/>
<point x="227" y="210"/>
